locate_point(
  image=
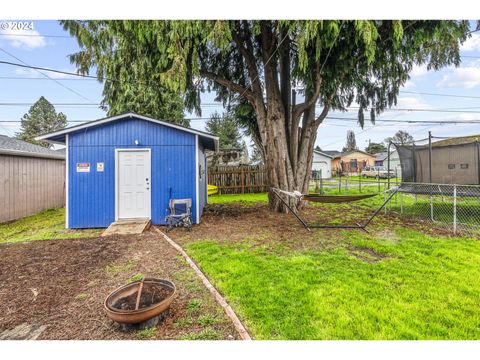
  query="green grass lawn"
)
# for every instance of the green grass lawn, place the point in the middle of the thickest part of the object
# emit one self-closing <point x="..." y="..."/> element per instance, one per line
<point x="241" y="198"/>
<point x="46" y="225"/>
<point x="394" y="283"/>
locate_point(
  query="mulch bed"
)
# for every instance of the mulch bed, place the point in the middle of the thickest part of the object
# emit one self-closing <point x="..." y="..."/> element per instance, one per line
<point x="63" y="283"/>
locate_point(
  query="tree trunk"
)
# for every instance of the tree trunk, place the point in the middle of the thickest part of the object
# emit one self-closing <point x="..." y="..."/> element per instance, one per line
<point x="281" y="172"/>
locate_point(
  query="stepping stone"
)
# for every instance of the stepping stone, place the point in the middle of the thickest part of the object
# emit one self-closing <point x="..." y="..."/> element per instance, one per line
<point x="23" y="332"/>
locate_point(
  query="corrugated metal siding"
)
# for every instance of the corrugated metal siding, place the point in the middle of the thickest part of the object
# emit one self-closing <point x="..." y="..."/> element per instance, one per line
<point x="92" y="195"/>
<point x="29" y="185"/>
<point x="202" y="188"/>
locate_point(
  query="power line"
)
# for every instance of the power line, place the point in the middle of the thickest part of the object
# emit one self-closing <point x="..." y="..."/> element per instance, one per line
<point x="448" y="122"/>
<point x="82" y="104"/>
<point x="39" y="68"/>
<point x="38" y="78"/>
<point x="83" y="121"/>
<point x="91" y="77"/>
<point x="438" y="94"/>
<point x="430" y="110"/>
<point x="56" y="104"/>
<point x="59" y="83"/>
<point x="346" y="119"/>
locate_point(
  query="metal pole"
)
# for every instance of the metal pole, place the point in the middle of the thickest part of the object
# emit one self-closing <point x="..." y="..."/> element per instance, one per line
<point x="430" y="158"/>
<point x="401" y="203"/>
<point x="321" y="182"/>
<point x="431" y="204"/>
<point x="360" y="182"/>
<point x="414" y="163"/>
<point x="388" y="163"/>
<point x="430" y="171"/>
<point x="340" y="182"/>
<point x="385" y="197"/>
<point x="455" y="209"/>
<point x="378" y="179"/>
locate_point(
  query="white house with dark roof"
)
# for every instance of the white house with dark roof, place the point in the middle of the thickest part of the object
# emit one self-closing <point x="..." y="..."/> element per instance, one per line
<point x="322" y="163"/>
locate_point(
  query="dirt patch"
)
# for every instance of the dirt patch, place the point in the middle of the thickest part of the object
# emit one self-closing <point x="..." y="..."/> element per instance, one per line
<point x="62" y="285"/>
<point x="366" y="254"/>
<point x="388" y="235"/>
<point x="229" y="210"/>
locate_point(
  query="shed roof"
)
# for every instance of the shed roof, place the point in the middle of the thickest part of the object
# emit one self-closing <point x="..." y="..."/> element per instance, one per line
<point x="12" y="146"/>
<point x="210" y="141"/>
<point x="460" y="140"/>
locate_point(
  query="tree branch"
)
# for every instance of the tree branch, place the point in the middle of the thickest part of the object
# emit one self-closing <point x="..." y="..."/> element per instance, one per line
<point x="232" y="86"/>
<point x="247" y="53"/>
<point x="324" y="113"/>
<point x="300" y="108"/>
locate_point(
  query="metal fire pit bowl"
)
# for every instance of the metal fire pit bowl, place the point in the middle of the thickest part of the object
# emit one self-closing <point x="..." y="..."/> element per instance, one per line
<point x="140" y="314"/>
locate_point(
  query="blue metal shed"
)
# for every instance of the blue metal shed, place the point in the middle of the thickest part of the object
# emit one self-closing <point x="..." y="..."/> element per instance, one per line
<point x="129" y="166"/>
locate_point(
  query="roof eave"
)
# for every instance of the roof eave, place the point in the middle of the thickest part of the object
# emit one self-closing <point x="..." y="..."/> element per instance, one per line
<point x="31" y="154"/>
<point x="47" y="137"/>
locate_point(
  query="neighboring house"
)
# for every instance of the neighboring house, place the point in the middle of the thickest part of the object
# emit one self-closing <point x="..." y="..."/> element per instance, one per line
<point x="322" y="164"/>
<point x="228" y="157"/>
<point x="352" y="162"/>
<point x="129" y="166"/>
<point x="381" y="159"/>
<point x="332" y="153"/>
<point x="32" y="179"/>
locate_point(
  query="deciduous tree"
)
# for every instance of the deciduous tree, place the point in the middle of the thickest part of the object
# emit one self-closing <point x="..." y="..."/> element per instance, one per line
<point x="400" y="137"/>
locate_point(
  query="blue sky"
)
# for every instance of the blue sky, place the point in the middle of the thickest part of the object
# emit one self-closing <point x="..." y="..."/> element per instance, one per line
<point x="52" y="52"/>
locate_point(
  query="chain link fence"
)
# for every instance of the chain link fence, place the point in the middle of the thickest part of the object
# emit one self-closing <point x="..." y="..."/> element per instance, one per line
<point x="453" y="207"/>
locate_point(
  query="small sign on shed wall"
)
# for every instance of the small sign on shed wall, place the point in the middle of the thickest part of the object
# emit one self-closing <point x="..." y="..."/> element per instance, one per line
<point x="83" y="167"/>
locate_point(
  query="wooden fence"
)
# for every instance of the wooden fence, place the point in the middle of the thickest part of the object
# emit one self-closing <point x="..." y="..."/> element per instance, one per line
<point x="29" y="185"/>
<point x="238" y="179"/>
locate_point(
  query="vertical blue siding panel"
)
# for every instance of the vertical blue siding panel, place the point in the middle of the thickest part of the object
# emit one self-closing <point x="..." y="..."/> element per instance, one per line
<point x="92" y="195"/>
<point x="202" y="187"/>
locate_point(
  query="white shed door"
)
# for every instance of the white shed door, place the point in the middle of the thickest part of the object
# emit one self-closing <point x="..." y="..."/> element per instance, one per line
<point x="133" y="184"/>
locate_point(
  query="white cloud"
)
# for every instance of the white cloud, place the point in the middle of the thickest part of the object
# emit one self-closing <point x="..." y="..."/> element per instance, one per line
<point x="464" y="78"/>
<point x="407" y="102"/>
<point x="418" y="70"/>
<point x="472" y="44"/>
<point x="35" y="74"/>
<point x="27" y="39"/>
<point x="409" y="85"/>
